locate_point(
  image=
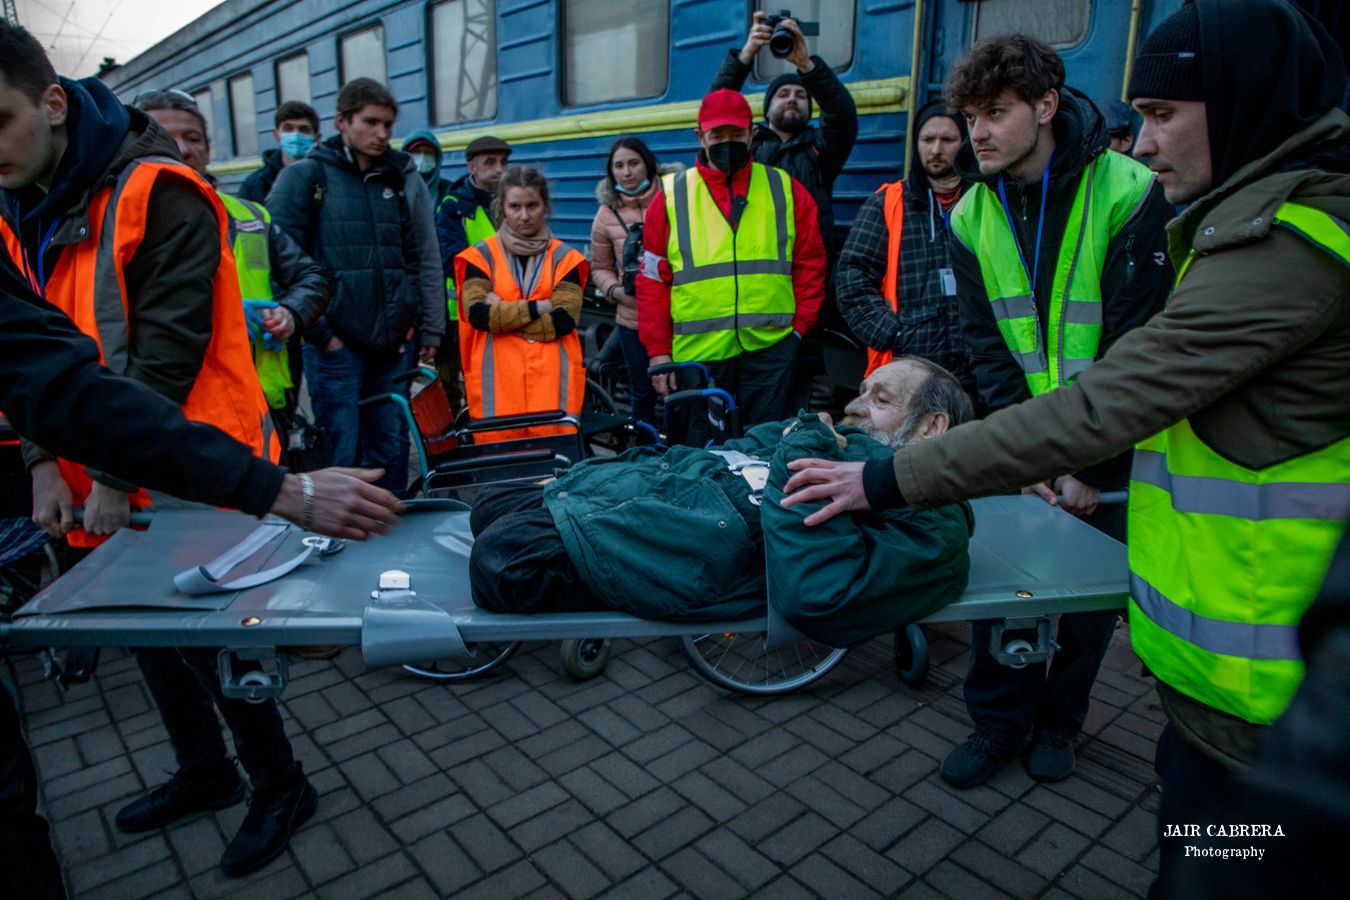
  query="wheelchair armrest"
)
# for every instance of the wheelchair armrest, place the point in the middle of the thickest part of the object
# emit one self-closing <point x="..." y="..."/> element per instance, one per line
<point x="497" y="459"/>
<point x="415" y="373"/>
<point x="524" y="420"/>
<point x="663" y="368"/>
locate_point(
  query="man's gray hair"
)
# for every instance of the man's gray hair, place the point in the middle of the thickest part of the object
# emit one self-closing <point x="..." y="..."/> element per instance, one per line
<point x="172" y="99"/>
<point x="941" y="393"/>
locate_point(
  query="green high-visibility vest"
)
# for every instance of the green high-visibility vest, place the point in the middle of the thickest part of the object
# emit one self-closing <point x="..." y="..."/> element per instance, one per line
<point x="732" y="291"/>
<point x="253" y="262"/>
<point x="1225" y="560"/>
<point x="1110" y="192"/>
<point x="477" y="228"/>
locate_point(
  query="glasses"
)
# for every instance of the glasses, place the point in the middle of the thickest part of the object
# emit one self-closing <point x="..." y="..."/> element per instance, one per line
<point x="155" y="93"/>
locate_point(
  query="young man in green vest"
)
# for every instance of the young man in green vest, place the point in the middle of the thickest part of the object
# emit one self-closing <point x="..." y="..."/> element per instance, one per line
<point x="734" y="269"/>
<point x="1058" y="250"/>
<point x="265" y="258"/>
<point x="1234" y="393"/>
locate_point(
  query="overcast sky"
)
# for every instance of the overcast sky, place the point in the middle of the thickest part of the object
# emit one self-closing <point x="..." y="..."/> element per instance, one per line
<point x="79" y="33"/>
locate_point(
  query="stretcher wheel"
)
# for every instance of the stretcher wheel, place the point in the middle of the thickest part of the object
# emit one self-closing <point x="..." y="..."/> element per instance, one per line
<point x="741" y="662"/>
<point x="487" y="657"/>
<point x="584" y="659"/>
<point x="911" y="655"/>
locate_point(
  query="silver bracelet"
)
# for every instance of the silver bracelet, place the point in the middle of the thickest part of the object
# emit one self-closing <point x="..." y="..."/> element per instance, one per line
<point x="307" y="490"/>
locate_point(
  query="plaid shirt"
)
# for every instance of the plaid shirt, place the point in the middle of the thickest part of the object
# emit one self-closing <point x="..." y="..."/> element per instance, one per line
<point x="928" y="323"/>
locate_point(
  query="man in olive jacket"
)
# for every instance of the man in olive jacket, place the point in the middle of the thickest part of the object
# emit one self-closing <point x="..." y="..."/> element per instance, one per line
<point x="684" y="533"/>
<point x="1247" y="368"/>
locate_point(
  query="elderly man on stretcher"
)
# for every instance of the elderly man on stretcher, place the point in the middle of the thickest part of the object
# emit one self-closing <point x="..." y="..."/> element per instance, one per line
<point x="698" y="534"/>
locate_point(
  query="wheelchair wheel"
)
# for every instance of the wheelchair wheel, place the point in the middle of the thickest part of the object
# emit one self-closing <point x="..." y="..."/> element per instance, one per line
<point x="584" y="659"/>
<point x="911" y="655"/>
<point x="739" y="661"/>
<point x="488" y="657"/>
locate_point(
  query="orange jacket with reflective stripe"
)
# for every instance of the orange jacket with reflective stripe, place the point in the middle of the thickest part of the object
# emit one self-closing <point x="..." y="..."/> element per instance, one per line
<point x="894" y="211"/>
<point x="506" y="374"/>
<point x="88" y="284"/>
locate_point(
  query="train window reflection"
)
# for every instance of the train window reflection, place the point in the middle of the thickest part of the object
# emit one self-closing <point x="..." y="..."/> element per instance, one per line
<point x="614" y="52"/>
<point x="1060" y="23"/>
<point x="463" y="60"/>
<point x="243" y="116"/>
<point x="834" y="45"/>
<point x="293" y="79"/>
<point x="206" y="102"/>
<point x="362" y="55"/>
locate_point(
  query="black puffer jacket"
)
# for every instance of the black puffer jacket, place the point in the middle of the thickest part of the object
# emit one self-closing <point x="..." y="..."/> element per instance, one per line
<point x="259" y="183"/>
<point x="361" y="233"/>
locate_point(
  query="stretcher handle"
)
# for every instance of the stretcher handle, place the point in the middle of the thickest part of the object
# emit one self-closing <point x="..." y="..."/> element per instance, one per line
<point x="524" y="420"/>
<point x="496" y="459"/>
<point x="1107" y="498"/>
<point x="141" y="518"/>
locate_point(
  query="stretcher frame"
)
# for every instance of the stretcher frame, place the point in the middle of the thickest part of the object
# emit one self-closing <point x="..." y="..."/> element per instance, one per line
<point x="1030" y="562"/>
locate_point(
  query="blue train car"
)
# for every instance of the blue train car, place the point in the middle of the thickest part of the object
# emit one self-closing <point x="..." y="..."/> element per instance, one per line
<point x="560" y="78"/>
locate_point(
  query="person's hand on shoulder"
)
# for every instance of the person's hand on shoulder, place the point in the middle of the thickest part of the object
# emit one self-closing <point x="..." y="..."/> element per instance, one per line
<point x="839" y="483"/>
<point x="338" y="502"/>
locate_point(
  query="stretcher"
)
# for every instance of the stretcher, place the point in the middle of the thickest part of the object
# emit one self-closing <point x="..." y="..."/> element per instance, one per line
<point x="404" y="598"/>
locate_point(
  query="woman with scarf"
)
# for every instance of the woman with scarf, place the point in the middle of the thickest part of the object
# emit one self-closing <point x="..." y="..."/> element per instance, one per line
<point x="519" y="303"/>
<point x="625" y="193"/>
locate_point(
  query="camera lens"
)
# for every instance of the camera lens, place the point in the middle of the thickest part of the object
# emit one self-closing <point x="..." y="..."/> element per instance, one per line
<point x="781" y="42"/>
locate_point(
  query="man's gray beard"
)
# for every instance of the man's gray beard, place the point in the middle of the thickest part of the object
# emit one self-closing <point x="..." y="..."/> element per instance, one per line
<point x="892" y="441"/>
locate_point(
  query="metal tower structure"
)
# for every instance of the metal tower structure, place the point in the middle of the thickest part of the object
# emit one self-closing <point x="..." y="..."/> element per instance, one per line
<point x="11" y="12"/>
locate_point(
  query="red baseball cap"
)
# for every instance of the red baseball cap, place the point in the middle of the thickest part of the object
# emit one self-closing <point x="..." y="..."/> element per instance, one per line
<point x="723" y="107"/>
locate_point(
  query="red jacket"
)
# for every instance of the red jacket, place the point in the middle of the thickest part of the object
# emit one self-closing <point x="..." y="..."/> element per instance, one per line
<point x="653" y="283"/>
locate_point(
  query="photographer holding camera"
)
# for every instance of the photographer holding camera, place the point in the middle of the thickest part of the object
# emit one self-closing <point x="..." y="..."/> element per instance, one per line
<point x="812" y="154"/>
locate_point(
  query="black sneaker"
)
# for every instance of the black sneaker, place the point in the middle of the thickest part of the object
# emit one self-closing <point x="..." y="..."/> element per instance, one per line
<point x="974" y="761"/>
<point x="1051" y="757"/>
<point x="272" y="817"/>
<point x="178" y="797"/>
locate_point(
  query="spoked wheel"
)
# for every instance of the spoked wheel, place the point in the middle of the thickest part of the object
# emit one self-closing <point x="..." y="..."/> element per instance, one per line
<point x="739" y="661"/>
<point x="911" y="655"/>
<point x="487" y="657"/>
<point x="584" y="659"/>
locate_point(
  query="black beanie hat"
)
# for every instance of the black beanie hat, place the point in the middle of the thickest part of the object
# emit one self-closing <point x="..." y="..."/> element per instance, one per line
<point x="786" y="78"/>
<point x="1168" y="65"/>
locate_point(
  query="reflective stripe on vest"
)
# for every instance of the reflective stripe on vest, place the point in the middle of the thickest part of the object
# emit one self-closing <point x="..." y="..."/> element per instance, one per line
<point x="1225" y="560"/>
<point x="731" y="291"/>
<point x="253" y="265"/>
<point x="86" y="284"/>
<point x="893" y="210"/>
<point x="477" y="228"/>
<point x="1111" y="190"/>
<point x="506" y="374"/>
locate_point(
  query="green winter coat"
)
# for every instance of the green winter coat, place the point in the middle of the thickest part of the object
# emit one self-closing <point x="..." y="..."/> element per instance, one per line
<point x="675" y="535"/>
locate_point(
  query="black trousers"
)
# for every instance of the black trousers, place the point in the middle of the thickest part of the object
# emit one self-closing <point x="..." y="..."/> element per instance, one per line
<point x="1011" y="702"/>
<point x="518" y="563"/>
<point x="761" y="381"/>
<point x="28" y="866"/>
<point x="1192" y="785"/>
<point x="186" y="684"/>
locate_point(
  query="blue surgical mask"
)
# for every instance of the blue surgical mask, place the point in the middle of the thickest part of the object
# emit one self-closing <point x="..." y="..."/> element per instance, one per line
<point x="296" y="144"/>
<point x="633" y="192"/>
<point x="425" y="164"/>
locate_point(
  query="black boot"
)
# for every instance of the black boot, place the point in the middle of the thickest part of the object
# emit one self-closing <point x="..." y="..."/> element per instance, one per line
<point x="180" y="795"/>
<point x="273" y="814"/>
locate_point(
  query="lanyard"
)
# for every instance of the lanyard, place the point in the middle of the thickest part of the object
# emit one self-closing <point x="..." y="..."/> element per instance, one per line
<point x="527" y="276"/>
<point x="41" y="284"/>
<point x="1034" y="269"/>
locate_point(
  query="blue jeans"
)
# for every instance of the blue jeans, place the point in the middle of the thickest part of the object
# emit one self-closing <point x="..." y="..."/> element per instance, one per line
<point x="373" y="436"/>
<point x="642" y="395"/>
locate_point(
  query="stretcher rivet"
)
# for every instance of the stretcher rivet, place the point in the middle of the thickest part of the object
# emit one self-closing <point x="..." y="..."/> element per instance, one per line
<point x="722" y="524"/>
<point x="1024" y="594"/>
<point x="562" y="495"/>
<point x="250" y="621"/>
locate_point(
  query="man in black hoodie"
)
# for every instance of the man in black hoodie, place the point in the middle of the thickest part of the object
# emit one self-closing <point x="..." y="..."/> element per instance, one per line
<point x="1059" y="250"/>
<point x="874" y="272"/>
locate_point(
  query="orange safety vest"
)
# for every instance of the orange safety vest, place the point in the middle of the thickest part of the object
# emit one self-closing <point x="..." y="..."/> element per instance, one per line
<point x="88" y="284"/>
<point x="506" y="374"/>
<point x="894" y="211"/>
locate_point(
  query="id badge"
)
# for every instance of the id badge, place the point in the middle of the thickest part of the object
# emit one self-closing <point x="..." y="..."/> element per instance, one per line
<point x="948" y="282"/>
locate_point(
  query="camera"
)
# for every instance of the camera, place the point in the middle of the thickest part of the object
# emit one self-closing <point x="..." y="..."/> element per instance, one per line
<point x="782" y="41"/>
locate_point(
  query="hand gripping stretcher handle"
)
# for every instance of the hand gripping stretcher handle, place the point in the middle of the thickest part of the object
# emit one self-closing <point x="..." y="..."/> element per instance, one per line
<point x="141" y="518"/>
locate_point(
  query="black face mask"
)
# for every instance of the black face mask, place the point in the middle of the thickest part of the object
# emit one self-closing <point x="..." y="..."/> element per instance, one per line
<point x="729" y="156"/>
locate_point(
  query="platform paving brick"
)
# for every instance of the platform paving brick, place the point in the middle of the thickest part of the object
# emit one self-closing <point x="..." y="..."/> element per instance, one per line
<point x="645" y="782"/>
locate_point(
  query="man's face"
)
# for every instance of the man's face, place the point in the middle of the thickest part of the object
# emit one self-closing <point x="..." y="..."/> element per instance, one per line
<point x="487" y="169"/>
<point x="296" y="126"/>
<point x="525" y="210"/>
<point x="1007" y="131"/>
<point x="187" y="132"/>
<point x="31" y="135"/>
<point x="1174" y="143"/>
<point x="882" y="408"/>
<point x="723" y="133"/>
<point x="367" y="130"/>
<point x="790" y="108"/>
<point x="939" y="139"/>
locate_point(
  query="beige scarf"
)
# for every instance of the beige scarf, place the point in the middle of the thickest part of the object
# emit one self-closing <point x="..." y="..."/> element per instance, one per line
<point x="515" y="245"/>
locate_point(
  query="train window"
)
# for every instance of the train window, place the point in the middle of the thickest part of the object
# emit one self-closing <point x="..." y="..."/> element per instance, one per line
<point x="243" y="116"/>
<point x="614" y="53"/>
<point x="463" y="60"/>
<point x="362" y="54"/>
<point x="206" y="102"/>
<point x="1060" y="23"/>
<point x="293" y="78"/>
<point x="834" y="45"/>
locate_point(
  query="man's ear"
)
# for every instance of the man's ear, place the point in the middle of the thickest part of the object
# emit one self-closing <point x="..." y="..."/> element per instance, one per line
<point x="54" y="105"/>
<point x="1047" y="106"/>
<point x="936" y="423"/>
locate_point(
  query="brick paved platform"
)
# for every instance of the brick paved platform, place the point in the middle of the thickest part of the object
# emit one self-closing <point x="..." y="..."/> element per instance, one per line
<point x="645" y="782"/>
